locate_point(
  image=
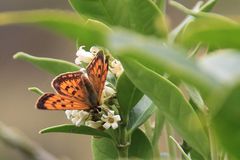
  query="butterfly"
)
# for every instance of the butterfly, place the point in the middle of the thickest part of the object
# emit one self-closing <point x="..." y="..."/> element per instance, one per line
<point x="78" y="90"/>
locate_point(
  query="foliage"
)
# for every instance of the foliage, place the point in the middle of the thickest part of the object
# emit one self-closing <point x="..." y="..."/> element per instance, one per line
<point x="190" y="87"/>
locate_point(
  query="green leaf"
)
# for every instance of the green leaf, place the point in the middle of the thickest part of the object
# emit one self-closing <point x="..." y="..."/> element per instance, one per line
<point x="97" y="24"/>
<point x="160" y="58"/>
<point x="67" y="128"/>
<point x="140" y="147"/>
<point x="146" y="18"/>
<point x="64" y="22"/>
<point x="212" y="30"/>
<point x="223" y="65"/>
<point x="195" y="97"/>
<point x="224" y="101"/>
<point x="171" y="102"/>
<point x="226" y="120"/>
<point x="127" y="94"/>
<point x="161" y="4"/>
<point x="104" y="148"/>
<point x="139" y="15"/>
<point x="195" y="155"/>
<point x="53" y="66"/>
<point x="140" y="113"/>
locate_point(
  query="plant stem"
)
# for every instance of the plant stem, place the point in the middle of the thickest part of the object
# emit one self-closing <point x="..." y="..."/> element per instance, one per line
<point x="36" y="90"/>
<point x="184" y="9"/>
<point x="180" y="149"/>
<point x="123" y="143"/>
<point x="174" y="33"/>
<point x="159" y="123"/>
<point x="124" y="139"/>
<point x="208" y="5"/>
<point x="213" y="146"/>
<point x="171" y="145"/>
<point x="17" y="140"/>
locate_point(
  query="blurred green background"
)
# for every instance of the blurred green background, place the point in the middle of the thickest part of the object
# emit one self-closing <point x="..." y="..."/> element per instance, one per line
<point x="17" y="103"/>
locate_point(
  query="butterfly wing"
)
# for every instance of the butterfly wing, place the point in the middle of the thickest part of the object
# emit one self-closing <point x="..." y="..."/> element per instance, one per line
<point x="71" y="93"/>
<point x="76" y="91"/>
<point x="71" y="85"/>
<point x="97" y="72"/>
<point x="52" y="101"/>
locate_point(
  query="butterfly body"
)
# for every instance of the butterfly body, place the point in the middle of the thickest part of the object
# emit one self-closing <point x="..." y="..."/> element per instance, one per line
<point x="92" y="95"/>
<point x="78" y="90"/>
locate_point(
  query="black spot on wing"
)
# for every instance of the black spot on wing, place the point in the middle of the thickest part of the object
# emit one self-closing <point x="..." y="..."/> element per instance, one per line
<point x="41" y="101"/>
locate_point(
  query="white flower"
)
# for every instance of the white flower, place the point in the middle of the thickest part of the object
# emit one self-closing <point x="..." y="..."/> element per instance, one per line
<point x="116" y="67"/>
<point x="68" y="114"/>
<point x="83" y="56"/>
<point x="77" y="117"/>
<point x="110" y="120"/>
<point x="94" y="50"/>
<point x="108" y="91"/>
<point x="93" y="124"/>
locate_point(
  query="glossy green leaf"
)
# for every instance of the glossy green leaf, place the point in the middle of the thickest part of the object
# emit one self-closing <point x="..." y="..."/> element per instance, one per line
<point x="127" y="94"/>
<point x="224" y="102"/>
<point x="103" y="148"/>
<point x="140" y="147"/>
<point x="67" y="128"/>
<point x="214" y="31"/>
<point x="160" y="58"/>
<point x="64" y="22"/>
<point x="195" y="155"/>
<point x="147" y="18"/>
<point x="224" y="66"/>
<point x="226" y="120"/>
<point x="53" y="66"/>
<point x="161" y="4"/>
<point x="171" y="102"/>
<point x="195" y="97"/>
<point x="140" y="15"/>
<point x="140" y="113"/>
<point x="97" y="24"/>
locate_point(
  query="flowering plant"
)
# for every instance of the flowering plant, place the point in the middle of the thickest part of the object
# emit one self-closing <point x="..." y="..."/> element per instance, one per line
<point x="184" y="81"/>
<point x="107" y="117"/>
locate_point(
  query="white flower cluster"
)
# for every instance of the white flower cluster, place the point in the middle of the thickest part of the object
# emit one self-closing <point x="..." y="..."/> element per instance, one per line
<point x="116" y="67"/>
<point x="80" y="117"/>
<point x="107" y="117"/>
<point x="84" y="56"/>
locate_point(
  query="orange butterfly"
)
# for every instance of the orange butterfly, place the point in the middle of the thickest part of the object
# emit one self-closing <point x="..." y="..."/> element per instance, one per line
<point x="78" y="90"/>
